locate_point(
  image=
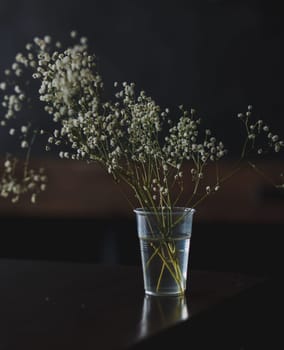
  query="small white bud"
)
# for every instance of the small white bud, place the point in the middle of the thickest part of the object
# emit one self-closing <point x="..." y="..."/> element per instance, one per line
<point x="47" y="39"/>
<point x="17" y="89"/>
<point x="33" y="198"/>
<point x="24" y="129"/>
<point x="29" y="47"/>
<point x="3" y="86"/>
<point x="73" y="34"/>
<point x="24" y="144"/>
<point x="7" y="164"/>
<point x="83" y="40"/>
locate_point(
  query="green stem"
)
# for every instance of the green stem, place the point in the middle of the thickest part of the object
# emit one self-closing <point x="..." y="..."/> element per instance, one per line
<point x="160" y="277"/>
<point x="164" y="260"/>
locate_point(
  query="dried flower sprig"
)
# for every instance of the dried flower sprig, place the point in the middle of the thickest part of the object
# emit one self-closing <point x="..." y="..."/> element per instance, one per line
<point x="259" y="142"/>
<point x="14" y="185"/>
<point x="259" y="137"/>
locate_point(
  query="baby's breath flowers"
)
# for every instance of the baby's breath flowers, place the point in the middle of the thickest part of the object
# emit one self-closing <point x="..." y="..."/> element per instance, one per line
<point x="259" y="138"/>
<point x="14" y="184"/>
<point x="259" y="141"/>
<point x="135" y="140"/>
<point x="130" y="135"/>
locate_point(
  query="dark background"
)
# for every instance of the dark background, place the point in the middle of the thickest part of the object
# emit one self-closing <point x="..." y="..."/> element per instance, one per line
<point x="216" y="56"/>
<point x="213" y="55"/>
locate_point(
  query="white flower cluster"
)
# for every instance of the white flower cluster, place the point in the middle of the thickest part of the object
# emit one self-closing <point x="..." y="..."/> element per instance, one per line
<point x="259" y="136"/>
<point x="12" y="102"/>
<point x="183" y="142"/>
<point x="131" y="136"/>
<point x="14" y="186"/>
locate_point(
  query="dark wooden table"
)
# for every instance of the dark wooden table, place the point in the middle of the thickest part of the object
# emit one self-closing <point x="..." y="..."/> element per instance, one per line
<point x="50" y="306"/>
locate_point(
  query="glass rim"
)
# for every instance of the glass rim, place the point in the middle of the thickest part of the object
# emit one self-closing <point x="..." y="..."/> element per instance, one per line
<point x="175" y="210"/>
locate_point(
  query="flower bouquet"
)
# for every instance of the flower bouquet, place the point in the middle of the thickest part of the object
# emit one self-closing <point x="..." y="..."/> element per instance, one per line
<point x="136" y="141"/>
